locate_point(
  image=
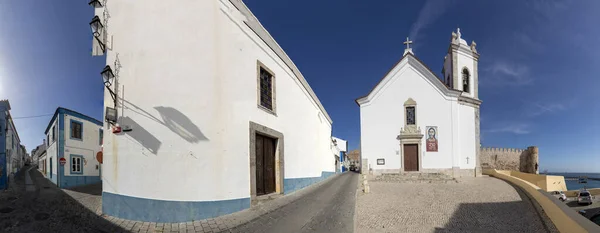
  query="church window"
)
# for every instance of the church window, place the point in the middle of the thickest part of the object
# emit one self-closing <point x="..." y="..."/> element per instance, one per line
<point x="410" y="115"/>
<point x="465" y="74"/>
<point x="266" y="89"/>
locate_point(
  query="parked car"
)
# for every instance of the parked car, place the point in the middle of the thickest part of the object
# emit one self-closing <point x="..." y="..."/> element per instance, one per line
<point x="560" y="195"/>
<point x="584" y="197"/>
<point x="352" y="167"/>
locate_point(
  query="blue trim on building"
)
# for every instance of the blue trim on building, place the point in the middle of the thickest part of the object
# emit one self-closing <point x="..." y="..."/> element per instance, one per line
<point x="74" y="181"/>
<point x="71" y="130"/>
<point x="72" y="113"/>
<point x="294" y="184"/>
<point x="80" y="164"/>
<point x="60" y="148"/>
<point x="152" y="210"/>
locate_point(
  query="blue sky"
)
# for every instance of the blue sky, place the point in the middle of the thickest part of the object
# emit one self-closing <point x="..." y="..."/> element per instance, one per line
<point x="536" y="70"/>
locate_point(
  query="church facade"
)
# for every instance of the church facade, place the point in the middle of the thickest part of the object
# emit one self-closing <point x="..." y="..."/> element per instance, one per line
<point x="414" y="121"/>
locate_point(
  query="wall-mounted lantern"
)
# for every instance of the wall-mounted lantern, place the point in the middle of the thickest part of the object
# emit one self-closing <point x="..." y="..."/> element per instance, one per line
<point x="108" y="77"/>
<point x="95" y="3"/>
<point x="97" y="29"/>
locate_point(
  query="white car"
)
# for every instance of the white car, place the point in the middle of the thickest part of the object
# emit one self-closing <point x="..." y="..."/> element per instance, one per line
<point x="584" y="197"/>
<point x="560" y="195"/>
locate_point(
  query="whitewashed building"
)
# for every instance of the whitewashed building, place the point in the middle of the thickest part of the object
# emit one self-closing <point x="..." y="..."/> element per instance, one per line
<point x="10" y="146"/>
<point x="412" y="121"/>
<point x="76" y="139"/>
<point x="339" y="148"/>
<point x="213" y="116"/>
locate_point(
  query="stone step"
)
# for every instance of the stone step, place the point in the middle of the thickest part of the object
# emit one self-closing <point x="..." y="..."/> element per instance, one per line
<point x="417" y="181"/>
<point x="415" y="178"/>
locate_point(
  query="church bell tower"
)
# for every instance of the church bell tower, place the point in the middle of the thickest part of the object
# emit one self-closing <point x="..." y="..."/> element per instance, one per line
<point x="460" y="66"/>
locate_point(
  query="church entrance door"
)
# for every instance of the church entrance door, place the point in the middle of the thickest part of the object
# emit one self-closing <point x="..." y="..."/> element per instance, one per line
<point x="265" y="165"/>
<point x="411" y="160"/>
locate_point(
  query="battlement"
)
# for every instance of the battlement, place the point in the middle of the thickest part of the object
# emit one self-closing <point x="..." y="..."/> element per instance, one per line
<point x="501" y="150"/>
<point x="516" y="159"/>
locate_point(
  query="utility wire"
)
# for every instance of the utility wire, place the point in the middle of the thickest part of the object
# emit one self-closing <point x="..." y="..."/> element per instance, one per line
<point x="15" y="118"/>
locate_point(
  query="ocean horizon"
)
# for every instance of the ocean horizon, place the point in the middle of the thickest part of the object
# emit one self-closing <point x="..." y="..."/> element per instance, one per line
<point x="574" y="184"/>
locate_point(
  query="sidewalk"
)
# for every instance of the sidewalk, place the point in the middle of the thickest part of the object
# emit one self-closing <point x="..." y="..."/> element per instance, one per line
<point x="90" y="198"/>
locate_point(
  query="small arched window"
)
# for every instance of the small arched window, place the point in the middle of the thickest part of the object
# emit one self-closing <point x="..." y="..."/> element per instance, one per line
<point x="466" y="77"/>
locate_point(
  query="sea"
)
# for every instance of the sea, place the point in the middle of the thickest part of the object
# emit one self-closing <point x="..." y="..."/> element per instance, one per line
<point x="574" y="184"/>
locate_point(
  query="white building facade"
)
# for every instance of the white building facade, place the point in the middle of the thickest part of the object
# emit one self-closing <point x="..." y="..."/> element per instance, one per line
<point x="10" y="146"/>
<point x="412" y="121"/>
<point x="74" y="138"/>
<point x="214" y="115"/>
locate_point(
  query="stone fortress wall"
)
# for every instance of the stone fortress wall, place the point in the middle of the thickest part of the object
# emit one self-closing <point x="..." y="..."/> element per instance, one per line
<point x="523" y="160"/>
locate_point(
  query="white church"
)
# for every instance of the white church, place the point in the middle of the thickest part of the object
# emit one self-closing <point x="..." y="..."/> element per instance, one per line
<point x="414" y="121"/>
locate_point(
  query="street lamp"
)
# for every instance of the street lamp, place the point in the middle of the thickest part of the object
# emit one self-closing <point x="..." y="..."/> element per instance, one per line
<point x="96" y="26"/>
<point x="95" y="3"/>
<point x="97" y="29"/>
<point x="108" y="77"/>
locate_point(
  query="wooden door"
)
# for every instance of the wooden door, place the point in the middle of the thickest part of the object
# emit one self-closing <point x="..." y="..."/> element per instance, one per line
<point x="411" y="159"/>
<point x="265" y="165"/>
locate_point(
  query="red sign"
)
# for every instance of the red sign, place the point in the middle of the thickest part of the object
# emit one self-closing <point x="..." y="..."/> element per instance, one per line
<point x="99" y="156"/>
<point x="62" y="161"/>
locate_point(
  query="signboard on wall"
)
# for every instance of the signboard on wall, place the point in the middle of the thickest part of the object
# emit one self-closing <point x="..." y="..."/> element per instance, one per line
<point x="380" y="161"/>
<point x="432" y="139"/>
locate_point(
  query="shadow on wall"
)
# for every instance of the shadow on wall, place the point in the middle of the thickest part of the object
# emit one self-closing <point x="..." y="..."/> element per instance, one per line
<point x="513" y="216"/>
<point x="171" y="118"/>
<point x="141" y="135"/>
<point x="180" y="124"/>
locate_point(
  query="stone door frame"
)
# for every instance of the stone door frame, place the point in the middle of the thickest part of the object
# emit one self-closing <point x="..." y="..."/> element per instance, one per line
<point x="256" y="128"/>
<point x="417" y="141"/>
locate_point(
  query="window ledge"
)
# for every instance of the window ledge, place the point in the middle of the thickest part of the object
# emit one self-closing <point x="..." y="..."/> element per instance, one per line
<point x="267" y="110"/>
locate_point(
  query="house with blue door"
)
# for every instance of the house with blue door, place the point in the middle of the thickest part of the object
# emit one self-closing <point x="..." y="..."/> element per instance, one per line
<point x="74" y="139"/>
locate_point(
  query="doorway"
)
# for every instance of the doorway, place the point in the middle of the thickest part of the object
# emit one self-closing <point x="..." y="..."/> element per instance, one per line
<point x="265" y="164"/>
<point x="50" y="168"/>
<point x="411" y="157"/>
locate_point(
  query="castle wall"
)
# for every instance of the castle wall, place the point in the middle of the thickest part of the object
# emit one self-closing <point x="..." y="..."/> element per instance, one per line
<point x="523" y="160"/>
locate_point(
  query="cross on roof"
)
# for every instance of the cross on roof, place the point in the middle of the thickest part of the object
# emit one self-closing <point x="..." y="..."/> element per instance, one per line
<point x="407" y="43"/>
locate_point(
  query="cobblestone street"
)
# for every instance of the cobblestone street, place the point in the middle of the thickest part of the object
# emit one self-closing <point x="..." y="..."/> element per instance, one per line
<point x="35" y="204"/>
<point x="45" y="208"/>
<point x="473" y="205"/>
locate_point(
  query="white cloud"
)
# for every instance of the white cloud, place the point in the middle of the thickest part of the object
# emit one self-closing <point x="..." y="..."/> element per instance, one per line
<point x="506" y="74"/>
<point x="514" y="128"/>
<point x="431" y="11"/>
<point x="536" y="109"/>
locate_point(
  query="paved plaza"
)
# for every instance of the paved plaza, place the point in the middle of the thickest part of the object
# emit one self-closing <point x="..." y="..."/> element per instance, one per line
<point x="473" y="205"/>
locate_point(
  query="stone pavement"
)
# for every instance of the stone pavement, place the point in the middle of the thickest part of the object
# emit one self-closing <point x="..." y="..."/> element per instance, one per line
<point x="46" y="208"/>
<point x="473" y="205"/>
<point x="328" y="209"/>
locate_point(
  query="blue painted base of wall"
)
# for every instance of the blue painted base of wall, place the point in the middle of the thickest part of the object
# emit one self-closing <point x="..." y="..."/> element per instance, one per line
<point x="151" y="210"/>
<point x="293" y="184"/>
<point x="53" y="179"/>
<point x="74" y="181"/>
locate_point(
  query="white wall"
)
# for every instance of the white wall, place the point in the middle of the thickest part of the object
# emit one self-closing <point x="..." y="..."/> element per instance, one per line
<point x="189" y="84"/>
<point x="382" y="118"/>
<point x="13" y="159"/>
<point x="88" y="147"/>
<point x="51" y="151"/>
<point x="341" y="144"/>
<point x="467" y="136"/>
